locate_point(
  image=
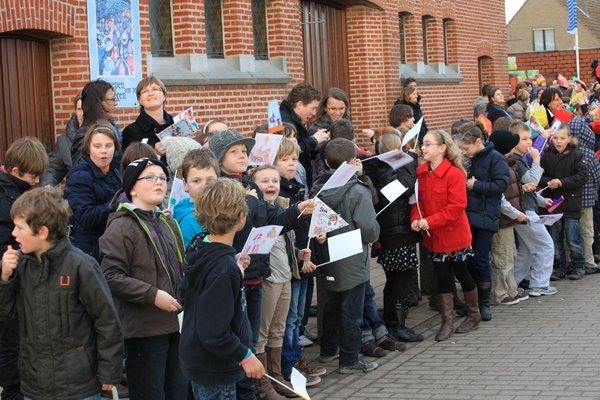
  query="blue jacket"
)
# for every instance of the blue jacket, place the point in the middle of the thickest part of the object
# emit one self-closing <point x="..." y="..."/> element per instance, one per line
<point x="183" y="213"/>
<point x="491" y="171"/>
<point x="496" y="112"/>
<point x="89" y="192"/>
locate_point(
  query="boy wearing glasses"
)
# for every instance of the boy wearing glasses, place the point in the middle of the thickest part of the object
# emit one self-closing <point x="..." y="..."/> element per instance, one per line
<point x="141" y="254"/>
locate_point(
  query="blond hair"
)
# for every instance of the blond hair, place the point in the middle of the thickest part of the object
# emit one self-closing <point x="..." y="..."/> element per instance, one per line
<point x="452" y="152"/>
<point x="286" y="148"/>
<point x="388" y="142"/>
<point x="219" y="205"/>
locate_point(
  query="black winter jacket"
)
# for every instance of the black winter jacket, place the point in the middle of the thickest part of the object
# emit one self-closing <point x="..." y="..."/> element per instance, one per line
<point x="569" y="167"/>
<point x="394" y="221"/>
<point x="144" y="127"/>
<point x="11" y="188"/>
<point x="59" y="161"/>
<point x="71" y="340"/>
<point x="216" y="334"/>
<point x="306" y="142"/>
<point x="491" y="171"/>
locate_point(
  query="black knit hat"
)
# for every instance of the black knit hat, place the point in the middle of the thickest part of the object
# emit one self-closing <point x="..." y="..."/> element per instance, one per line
<point x="135" y="169"/>
<point x="504" y="140"/>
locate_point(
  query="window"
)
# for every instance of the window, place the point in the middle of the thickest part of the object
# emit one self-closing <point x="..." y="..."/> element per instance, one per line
<point x="214" y="28"/>
<point x="426" y="20"/>
<point x="259" y="29"/>
<point x="161" y="32"/>
<point x="446" y="39"/>
<point x="402" y="20"/>
<point x="543" y="40"/>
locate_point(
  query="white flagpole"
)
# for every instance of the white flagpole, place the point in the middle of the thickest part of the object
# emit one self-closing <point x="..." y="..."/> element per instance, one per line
<point x="577" y="51"/>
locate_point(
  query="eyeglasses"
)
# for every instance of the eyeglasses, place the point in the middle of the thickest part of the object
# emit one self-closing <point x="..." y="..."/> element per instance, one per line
<point x="153" y="178"/>
<point x="426" y="145"/>
<point x="151" y="90"/>
<point x="113" y="100"/>
<point x="341" y="109"/>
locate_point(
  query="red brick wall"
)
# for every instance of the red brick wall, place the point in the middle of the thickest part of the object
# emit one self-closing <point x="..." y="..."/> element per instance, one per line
<point x="552" y="63"/>
<point x="373" y="55"/>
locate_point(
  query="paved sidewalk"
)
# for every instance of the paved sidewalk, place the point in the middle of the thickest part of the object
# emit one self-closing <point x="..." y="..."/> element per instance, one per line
<point x="542" y="348"/>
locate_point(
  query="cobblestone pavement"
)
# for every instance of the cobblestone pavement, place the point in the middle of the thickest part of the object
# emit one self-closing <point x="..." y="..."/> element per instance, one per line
<point x="542" y="348"/>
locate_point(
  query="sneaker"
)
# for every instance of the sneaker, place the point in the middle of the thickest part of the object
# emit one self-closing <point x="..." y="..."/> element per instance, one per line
<point x="303" y="367"/>
<point x="509" y="301"/>
<point x="310" y="380"/>
<point x="590" y="271"/>
<point x="327" y="359"/>
<point x="387" y="342"/>
<point x="556" y="276"/>
<point x="310" y="335"/>
<point x="360" y="366"/>
<point x="371" y="349"/>
<point x="521" y="295"/>
<point x="577" y="274"/>
<point x="303" y="341"/>
<point x="544" y="291"/>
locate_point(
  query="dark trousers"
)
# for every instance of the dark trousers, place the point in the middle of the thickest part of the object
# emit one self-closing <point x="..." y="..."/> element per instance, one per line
<point x="10" y="380"/>
<point x="245" y="387"/>
<point x="479" y="265"/>
<point x="153" y="371"/>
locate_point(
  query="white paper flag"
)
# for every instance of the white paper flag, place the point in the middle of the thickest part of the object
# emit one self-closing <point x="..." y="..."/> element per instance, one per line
<point x="340" y="177"/>
<point x="298" y="382"/>
<point x="265" y="149"/>
<point x="261" y="240"/>
<point x="178" y="193"/>
<point x="344" y="245"/>
<point x="324" y="219"/>
<point x="392" y="191"/>
<point x="415" y="197"/>
<point x="414" y="131"/>
<point x="395" y="158"/>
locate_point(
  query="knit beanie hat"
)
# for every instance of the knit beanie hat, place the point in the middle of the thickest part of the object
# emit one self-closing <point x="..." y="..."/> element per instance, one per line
<point x="135" y="169"/>
<point x="176" y="148"/>
<point x="223" y="140"/>
<point x="504" y="140"/>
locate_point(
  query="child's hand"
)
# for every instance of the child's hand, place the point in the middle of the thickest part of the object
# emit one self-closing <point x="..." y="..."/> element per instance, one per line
<point x="522" y="217"/>
<point x="369" y="133"/>
<point x="166" y="302"/>
<point x="534" y="154"/>
<point x="253" y="368"/>
<point x="321" y="237"/>
<point x="107" y="387"/>
<point x="554" y="184"/>
<point x="415" y="226"/>
<point x="251" y="192"/>
<point x="547" y="202"/>
<point x="160" y="150"/>
<point x="167" y="212"/>
<point x="308" y="267"/>
<point x="10" y="260"/>
<point x="528" y="187"/>
<point x="304" y="255"/>
<point x="547" y="133"/>
<point x="470" y="182"/>
<point x="423" y="224"/>
<point x="307" y="207"/>
<point x="358" y="163"/>
<point x="243" y="262"/>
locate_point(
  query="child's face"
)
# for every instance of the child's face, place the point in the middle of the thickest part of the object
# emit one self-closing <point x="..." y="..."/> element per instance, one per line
<point x="432" y="148"/>
<point x="287" y="166"/>
<point x="33" y="180"/>
<point x="216" y="127"/>
<point x="268" y="183"/>
<point x="409" y="123"/>
<point x="561" y="140"/>
<point x="525" y="142"/>
<point x="102" y="150"/>
<point x="292" y="137"/>
<point x="235" y="160"/>
<point x="196" y="178"/>
<point x="147" y="194"/>
<point x="471" y="149"/>
<point x="29" y="242"/>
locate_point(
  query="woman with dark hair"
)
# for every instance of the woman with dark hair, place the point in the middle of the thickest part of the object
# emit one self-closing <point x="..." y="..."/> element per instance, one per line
<point x="552" y="101"/>
<point x="494" y="107"/>
<point x="332" y="107"/>
<point x="410" y="97"/>
<point x="152" y="96"/>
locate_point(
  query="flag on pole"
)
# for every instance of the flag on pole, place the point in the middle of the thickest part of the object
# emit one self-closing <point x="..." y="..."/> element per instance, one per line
<point x="324" y="219"/>
<point x="572" y="9"/>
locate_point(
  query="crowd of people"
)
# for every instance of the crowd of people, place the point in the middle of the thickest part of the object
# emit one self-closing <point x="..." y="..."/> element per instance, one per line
<point x="104" y="286"/>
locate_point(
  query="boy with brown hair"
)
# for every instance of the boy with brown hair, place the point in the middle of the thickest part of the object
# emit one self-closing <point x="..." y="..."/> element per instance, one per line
<point x="216" y="338"/>
<point x="25" y="161"/>
<point x="58" y="292"/>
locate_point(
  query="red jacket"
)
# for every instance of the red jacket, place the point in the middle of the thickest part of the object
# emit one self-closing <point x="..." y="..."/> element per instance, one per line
<point x="443" y="199"/>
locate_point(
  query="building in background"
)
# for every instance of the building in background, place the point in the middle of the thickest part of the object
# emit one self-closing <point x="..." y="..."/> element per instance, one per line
<point x="228" y="58"/>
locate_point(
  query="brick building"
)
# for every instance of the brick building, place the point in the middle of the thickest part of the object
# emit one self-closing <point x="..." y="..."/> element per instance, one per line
<point x="538" y="38"/>
<point x="228" y="58"/>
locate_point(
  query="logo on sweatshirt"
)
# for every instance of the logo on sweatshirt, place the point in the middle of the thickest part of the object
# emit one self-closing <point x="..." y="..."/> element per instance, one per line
<point x="64" y="280"/>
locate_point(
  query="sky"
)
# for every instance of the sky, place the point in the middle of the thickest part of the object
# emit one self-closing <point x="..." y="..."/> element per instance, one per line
<point x="512" y="6"/>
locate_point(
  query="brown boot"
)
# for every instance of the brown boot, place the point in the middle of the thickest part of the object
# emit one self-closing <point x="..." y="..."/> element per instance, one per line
<point x="458" y="303"/>
<point x="446" y="304"/>
<point x="473" y="319"/>
<point x="263" y="389"/>
<point x="274" y="369"/>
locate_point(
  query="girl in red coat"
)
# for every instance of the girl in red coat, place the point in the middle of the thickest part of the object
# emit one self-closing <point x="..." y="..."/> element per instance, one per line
<point x="440" y="213"/>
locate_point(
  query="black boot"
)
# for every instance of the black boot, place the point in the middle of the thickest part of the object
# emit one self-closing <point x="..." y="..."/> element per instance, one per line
<point x="483" y="290"/>
<point x="389" y="315"/>
<point x="403" y="333"/>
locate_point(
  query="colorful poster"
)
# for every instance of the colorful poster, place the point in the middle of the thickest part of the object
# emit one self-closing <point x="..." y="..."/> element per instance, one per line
<point x="114" y="43"/>
<point x="261" y="240"/>
<point x="265" y="149"/>
<point x="275" y="123"/>
<point x="188" y="115"/>
<point x="324" y="220"/>
<point x="184" y="125"/>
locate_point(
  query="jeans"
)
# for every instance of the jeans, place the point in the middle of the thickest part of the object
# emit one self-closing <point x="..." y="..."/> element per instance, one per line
<point x="245" y="387"/>
<point x="341" y="324"/>
<point x="215" y="392"/>
<point x="479" y="265"/>
<point x="310" y="286"/>
<point x="291" y="351"/>
<point x="10" y="380"/>
<point x="569" y="228"/>
<point x="94" y="397"/>
<point x="153" y="371"/>
<point x="372" y="326"/>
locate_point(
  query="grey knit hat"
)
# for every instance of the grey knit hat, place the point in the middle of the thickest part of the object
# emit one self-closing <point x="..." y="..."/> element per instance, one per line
<point x="177" y="148"/>
<point x="223" y="140"/>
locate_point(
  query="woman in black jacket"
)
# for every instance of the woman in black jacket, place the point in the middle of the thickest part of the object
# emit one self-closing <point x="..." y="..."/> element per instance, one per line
<point x="494" y="108"/>
<point x="398" y="255"/>
<point x="410" y="97"/>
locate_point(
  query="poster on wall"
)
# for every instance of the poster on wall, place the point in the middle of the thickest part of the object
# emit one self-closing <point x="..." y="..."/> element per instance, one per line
<point x="115" y="53"/>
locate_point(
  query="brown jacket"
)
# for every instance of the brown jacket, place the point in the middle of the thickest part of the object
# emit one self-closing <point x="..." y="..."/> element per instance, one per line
<point x="135" y="271"/>
<point x="513" y="194"/>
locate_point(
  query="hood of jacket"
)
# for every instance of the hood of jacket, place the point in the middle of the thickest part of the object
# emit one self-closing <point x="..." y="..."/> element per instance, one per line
<point x="203" y="258"/>
<point x="582" y="131"/>
<point x="184" y="208"/>
<point x="480" y="100"/>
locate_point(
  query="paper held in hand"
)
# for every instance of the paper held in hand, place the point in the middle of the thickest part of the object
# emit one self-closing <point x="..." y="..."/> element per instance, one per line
<point x="261" y="240"/>
<point x="340" y="177"/>
<point x="275" y="123"/>
<point x="547" y="220"/>
<point x="344" y="245"/>
<point x="413" y="132"/>
<point x="265" y="149"/>
<point x="391" y="192"/>
<point x="178" y="193"/>
<point x="324" y="220"/>
<point x="184" y="124"/>
<point x="298" y="383"/>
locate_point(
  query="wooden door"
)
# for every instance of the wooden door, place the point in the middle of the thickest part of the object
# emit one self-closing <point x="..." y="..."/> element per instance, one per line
<point x="25" y="91"/>
<point x="325" y="46"/>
